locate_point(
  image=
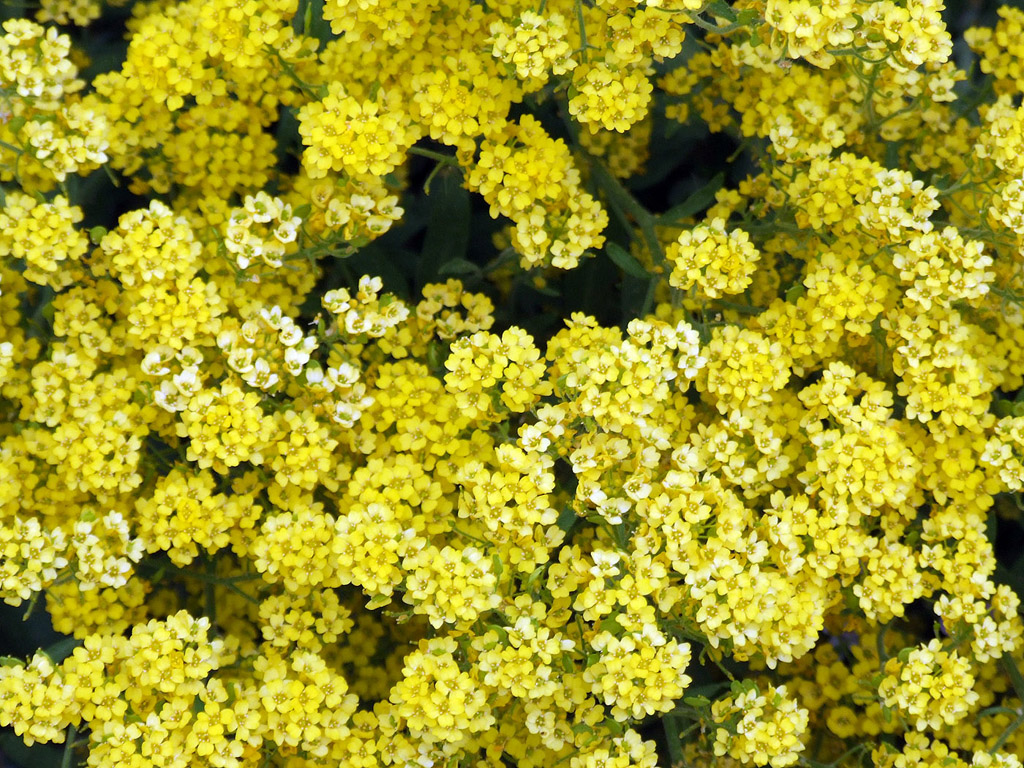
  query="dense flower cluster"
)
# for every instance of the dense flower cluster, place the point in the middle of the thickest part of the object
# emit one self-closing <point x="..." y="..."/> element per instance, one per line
<point x="294" y="516"/>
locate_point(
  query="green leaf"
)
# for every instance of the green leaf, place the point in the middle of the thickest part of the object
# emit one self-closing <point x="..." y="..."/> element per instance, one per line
<point x="723" y="9"/>
<point x="566" y="519"/>
<point x="36" y="756"/>
<point x="699" y="702"/>
<point x="614" y="726"/>
<point x="672" y="739"/>
<point x="447" y="236"/>
<point x="1003" y="408"/>
<point x="624" y="260"/>
<point x="458" y="267"/>
<point x="892" y="154"/>
<point x="739" y="687"/>
<point x="378" y="601"/>
<point x="695" y="203"/>
<point x="383" y="261"/>
<point x="62" y="649"/>
<point x="795" y="293"/>
<point x="532" y="578"/>
<point x="500" y="630"/>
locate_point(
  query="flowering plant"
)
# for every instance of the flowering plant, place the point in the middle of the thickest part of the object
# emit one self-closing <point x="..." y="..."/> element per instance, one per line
<point x="584" y="383"/>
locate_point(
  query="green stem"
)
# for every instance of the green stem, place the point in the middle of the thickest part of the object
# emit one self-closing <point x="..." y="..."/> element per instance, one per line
<point x="209" y="593"/>
<point x="289" y="70"/>
<point x="469" y="536"/>
<point x="743" y="309"/>
<point x="1005" y="736"/>
<point x="648" y="305"/>
<point x="581" y="23"/>
<point x="880" y="643"/>
<point x="148" y="570"/>
<point x="439" y="156"/>
<point x="709" y="27"/>
<point x="268" y="757"/>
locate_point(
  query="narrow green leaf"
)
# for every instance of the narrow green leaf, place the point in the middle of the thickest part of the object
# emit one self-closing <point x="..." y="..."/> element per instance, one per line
<point x="624" y="260"/>
<point x="675" y="744"/>
<point x="566" y="519"/>
<point x="1013" y="673"/>
<point x="614" y="726"/>
<point x="795" y="293"/>
<point x="458" y="267"/>
<point x="695" y="203"/>
<point x="61" y="649"/>
<point x="68" y="758"/>
<point x="448" y="219"/>
<point x="723" y="9"/>
<point x="499" y="630"/>
<point x="36" y="756"/>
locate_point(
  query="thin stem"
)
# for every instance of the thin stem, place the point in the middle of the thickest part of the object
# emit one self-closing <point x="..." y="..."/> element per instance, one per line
<point x="289" y="70"/>
<point x="209" y="593"/>
<point x="709" y="27"/>
<point x="1005" y="736"/>
<point x="743" y="309"/>
<point x="581" y="23"/>
<point x="648" y="305"/>
<point x="31" y="606"/>
<point x="469" y="535"/>
<point x="439" y="156"/>
<point x="241" y="593"/>
<point x="883" y="656"/>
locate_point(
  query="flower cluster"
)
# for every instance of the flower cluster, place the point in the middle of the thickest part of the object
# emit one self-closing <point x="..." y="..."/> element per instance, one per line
<point x="387" y="400"/>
